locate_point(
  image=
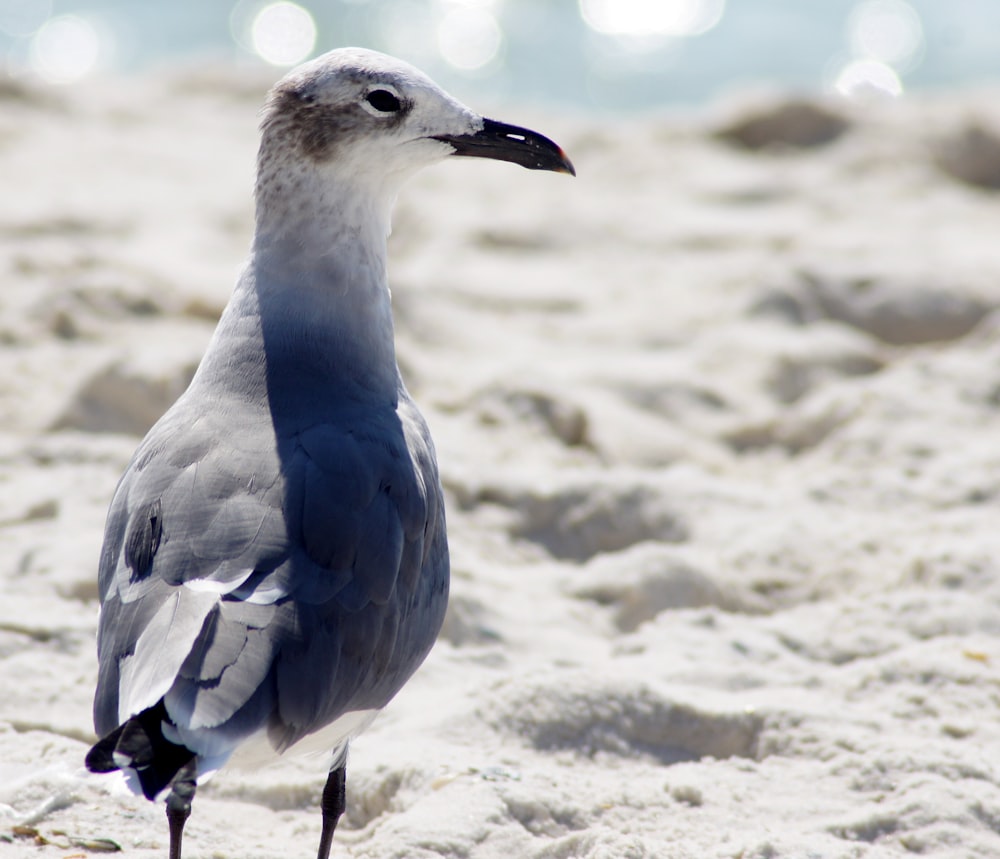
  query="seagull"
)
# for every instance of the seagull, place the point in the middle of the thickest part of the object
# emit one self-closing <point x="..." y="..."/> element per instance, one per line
<point x="275" y="560"/>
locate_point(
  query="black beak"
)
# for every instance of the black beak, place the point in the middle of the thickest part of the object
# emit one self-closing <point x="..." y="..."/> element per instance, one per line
<point x="510" y="143"/>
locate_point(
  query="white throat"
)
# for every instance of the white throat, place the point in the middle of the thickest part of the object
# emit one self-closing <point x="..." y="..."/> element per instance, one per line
<point x="313" y="300"/>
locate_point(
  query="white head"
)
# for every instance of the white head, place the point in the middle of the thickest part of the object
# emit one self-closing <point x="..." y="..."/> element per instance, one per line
<point x="360" y="120"/>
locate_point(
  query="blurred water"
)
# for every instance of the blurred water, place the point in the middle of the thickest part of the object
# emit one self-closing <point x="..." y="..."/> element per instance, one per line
<point x="590" y="55"/>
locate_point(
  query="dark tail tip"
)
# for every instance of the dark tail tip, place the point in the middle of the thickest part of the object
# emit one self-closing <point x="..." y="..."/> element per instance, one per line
<point x="139" y="744"/>
<point x="101" y="757"/>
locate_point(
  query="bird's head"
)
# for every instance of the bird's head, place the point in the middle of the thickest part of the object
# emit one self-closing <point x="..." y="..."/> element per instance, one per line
<point x="360" y="116"/>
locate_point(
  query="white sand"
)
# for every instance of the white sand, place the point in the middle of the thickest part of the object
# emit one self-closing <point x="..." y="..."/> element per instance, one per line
<point x="720" y="433"/>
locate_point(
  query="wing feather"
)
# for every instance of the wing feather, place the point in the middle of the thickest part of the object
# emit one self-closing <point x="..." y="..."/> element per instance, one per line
<point x="269" y="584"/>
<point x="161" y="649"/>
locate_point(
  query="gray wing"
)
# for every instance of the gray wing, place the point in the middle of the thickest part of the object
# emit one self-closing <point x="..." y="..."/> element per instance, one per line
<point x="252" y="578"/>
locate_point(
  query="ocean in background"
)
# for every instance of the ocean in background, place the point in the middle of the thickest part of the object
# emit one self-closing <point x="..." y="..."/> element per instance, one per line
<point x="577" y="55"/>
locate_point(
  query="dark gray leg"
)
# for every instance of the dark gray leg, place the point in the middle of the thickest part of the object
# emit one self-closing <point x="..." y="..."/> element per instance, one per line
<point x="179" y="805"/>
<point x="333" y="804"/>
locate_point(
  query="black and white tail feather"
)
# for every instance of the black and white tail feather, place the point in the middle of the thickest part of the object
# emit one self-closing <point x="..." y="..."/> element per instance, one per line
<point x="140" y="750"/>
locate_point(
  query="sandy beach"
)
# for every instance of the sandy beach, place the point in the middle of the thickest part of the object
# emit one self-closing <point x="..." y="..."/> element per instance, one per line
<point x="719" y="429"/>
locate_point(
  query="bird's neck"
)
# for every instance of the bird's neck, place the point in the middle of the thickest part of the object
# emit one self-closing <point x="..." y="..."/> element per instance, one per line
<point x="310" y="318"/>
<point x="307" y="213"/>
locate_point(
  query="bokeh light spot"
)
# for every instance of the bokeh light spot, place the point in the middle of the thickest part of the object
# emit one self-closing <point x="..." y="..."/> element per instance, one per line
<point x="408" y="29"/>
<point x="652" y="17"/>
<point x="283" y="34"/>
<point x="469" y="37"/>
<point x="65" y="49"/>
<point x="889" y="31"/>
<point x="867" y="78"/>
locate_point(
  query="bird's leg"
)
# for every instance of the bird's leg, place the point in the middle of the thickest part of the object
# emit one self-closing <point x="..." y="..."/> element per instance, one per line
<point x="179" y="805"/>
<point x="333" y="804"/>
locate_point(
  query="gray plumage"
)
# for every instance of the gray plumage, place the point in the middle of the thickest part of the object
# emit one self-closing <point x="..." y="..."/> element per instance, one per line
<point x="275" y="560"/>
<point x="307" y="545"/>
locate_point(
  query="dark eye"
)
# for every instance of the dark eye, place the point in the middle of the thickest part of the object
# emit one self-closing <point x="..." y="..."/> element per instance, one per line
<point x="383" y="100"/>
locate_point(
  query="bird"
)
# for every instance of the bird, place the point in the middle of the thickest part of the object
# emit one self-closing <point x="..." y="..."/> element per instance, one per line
<point x="275" y="559"/>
